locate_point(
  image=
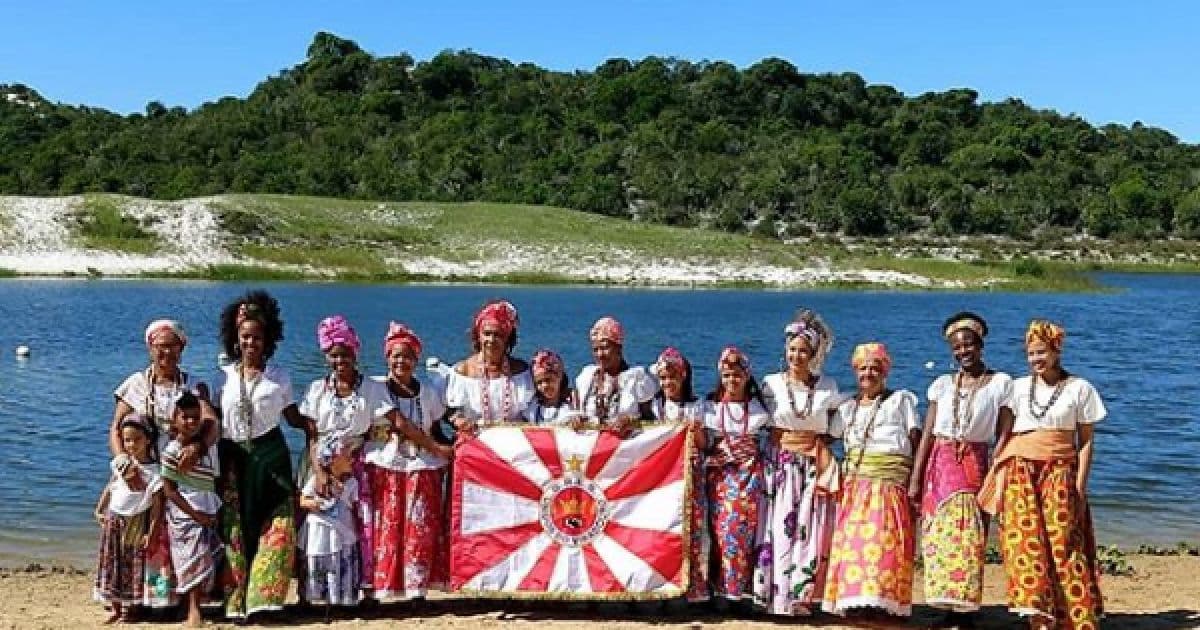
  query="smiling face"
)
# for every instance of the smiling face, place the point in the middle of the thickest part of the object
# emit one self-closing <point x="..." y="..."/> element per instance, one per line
<point x="967" y="349"/>
<point x="671" y="382"/>
<point x="341" y="465"/>
<point x="165" y="351"/>
<point x="798" y="353"/>
<point x="733" y="382"/>
<point x="1042" y="358"/>
<point x="607" y="354"/>
<point x="871" y="375"/>
<point x="136" y="443"/>
<point x="187" y="423"/>
<point x="252" y="341"/>
<point x="341" y="361"/>
<point x="549" y="385"/>
<point x="402" y="360"/>
<point x="493" y="340"/>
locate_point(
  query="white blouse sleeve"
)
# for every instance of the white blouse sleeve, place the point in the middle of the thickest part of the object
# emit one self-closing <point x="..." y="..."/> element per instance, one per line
<point x="1006" y="392"/>
<point x="770" y="397"/>
<point x="937" y="388"/>
<point x="435" y="408"/>
<point x="379" y="402"/>
<point x="312" y="398"/>
<point x="906" y="407"/>
<point x="1089" y="408"/>
<point x="132" y="391"/>
<point x="286" y="396"/>
<point x="645" y="385"/>
<point x="456" y="390"/>
<point x="837" y="420"/>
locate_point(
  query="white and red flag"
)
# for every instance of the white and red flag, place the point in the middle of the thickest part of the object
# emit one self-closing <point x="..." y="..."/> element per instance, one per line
<point x="554" y="513"/>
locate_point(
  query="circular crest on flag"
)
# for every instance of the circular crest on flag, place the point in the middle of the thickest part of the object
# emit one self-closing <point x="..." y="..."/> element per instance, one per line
<point x="573" y="511"/>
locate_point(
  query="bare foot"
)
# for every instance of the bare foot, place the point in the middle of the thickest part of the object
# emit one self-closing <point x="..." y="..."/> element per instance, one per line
<point x="114" y="617"/>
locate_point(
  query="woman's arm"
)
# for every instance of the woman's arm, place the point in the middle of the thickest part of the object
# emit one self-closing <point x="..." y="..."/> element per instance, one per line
<point x="922" y="456"/>
<point x="1085" y="434"/>
<point x="1004" y="425"/>
<point x="294" y="418"/>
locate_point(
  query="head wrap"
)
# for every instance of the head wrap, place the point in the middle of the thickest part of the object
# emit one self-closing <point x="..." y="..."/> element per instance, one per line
<point x="330" y="445"/>
<point x="247" y="310"/>
<point x="1046" y="332"/>
<point x="809" y="326"/>
<point x="969" y="322"/>
<point x="608" y="328"/>
<point x="500" y="312"/>
<point x="873" y="351"/>
<point x="160" y="326"/>
<point x="400" y="335"/>
<point x="731" y="356"/>
<point x="547" y="361"/>
<point x="335" y="330"/>
<point x="138" y="421"/>
<point x="671" y="360"/>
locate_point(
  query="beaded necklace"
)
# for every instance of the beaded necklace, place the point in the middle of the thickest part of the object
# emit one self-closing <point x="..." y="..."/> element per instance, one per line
<point x="962" y="420"/>
<point x="416" y="414"/>
<point x="350" y="402"/>
<point x="177" y="384"/>
<point x="247" y="402"/>
<point x="724" y="427"/>
<point x="1037" y="410"/>
<point x="866" y="430"/>
<point x="485" y="395"/>
<point x="808" y="403"/>
<point x="605" y="396"/>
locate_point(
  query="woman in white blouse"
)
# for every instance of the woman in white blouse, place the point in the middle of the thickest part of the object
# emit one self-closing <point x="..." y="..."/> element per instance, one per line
<point x="798" y="526"/>
<point x="611" y="392"/>
<point x="966" y="411"/>
<point x="258" y="520"/>
<point x="871" y="562"/>
<point x="490" y="386"/>
<point x="1038" y="484"/>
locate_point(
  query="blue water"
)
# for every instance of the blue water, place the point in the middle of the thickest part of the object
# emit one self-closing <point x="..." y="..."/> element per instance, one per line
<point x="1137" y="345"/>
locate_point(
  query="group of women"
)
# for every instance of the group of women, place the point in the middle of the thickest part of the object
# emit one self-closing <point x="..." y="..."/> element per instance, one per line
<point x="776" y="520"/>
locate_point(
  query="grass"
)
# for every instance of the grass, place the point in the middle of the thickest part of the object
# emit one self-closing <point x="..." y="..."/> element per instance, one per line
<point x="7" y="273"/>
<point x="102" y="225"/>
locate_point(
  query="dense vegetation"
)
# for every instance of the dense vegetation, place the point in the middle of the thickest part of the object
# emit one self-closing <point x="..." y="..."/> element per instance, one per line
<point x="767" y="148"/>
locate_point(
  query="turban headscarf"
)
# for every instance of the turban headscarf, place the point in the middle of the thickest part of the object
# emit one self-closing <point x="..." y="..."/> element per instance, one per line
<point x="160" y="326"/>
<point x="1046" y="332"/>
<point x="810" y="327"/>
<point x="873" y="351"/>
<point x="400" y="335"/>
<point x="547" y="361"/>
<point x="731" y="356"/>
<point x="335" y="330"/>
<point x="673" y="361"/>
<point x="499" y="312"/>
<point x="967" y="322"/>
<point x="608" y="328"/>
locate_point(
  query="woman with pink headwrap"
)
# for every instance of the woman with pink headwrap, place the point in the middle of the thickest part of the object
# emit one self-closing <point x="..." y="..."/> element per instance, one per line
<point x="612" y="393"/>
<point x="554" y="402"/>
<point x="871" y="561"/>
<point x="406" y="473"/>
<point x="1038" y="485"/>
<point x="490" y="386"/>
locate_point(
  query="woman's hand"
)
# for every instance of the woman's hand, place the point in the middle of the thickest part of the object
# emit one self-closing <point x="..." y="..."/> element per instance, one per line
<point x="443" y="451"/>
<point x="463" y="424"/>
<point x="623" y="425"/>
<point x="206" y="520"/>
<point x="578" y="423"/>
<point x="321" y="483"/>
<point x="99" y="515"/>
<point x="914" y="491"/>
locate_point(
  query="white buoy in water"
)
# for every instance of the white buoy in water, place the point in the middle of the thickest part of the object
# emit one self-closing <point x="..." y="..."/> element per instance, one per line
<point x="22" y="352"/>
<point x="929" y="365"/>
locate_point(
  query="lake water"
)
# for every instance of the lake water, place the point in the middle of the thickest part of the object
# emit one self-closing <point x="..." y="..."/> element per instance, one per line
<point x="1136" y="345"/>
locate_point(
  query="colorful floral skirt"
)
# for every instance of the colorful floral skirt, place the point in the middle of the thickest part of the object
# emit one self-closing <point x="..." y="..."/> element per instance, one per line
<point x="333" y="578"/>
<point x="871" y="560"/>
<point x="796" y="535"/>
<point x="699" y="540"/>
<point x="1048" y="547"/>
<point x="735" y="495"/>
<point x="953" y="528"/>
<point x="257" y="524"/>
<point x="129" y="575"/>
<point x="408" y="532"/>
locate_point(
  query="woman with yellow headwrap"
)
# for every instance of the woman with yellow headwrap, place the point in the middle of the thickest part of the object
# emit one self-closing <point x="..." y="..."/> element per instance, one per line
<point x="967" y="410"/>
<point x="1038" y="486"/>
<point x="871" y="560"/>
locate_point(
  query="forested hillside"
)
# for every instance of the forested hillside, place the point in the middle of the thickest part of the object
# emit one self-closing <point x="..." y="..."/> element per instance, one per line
<point x="767" y="148"/>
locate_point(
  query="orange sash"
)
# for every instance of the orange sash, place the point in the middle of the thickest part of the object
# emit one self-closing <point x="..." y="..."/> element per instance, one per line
<point x="1040" y="445"/>
<point x="810" y="444"/>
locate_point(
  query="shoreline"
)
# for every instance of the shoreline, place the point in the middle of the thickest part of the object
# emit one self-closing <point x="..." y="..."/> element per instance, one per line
<point x="1162" y="594"/>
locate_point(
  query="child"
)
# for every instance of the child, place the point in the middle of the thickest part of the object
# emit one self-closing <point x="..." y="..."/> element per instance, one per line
<point x="133" y="568"/>
<point x="192" y="508"/>
<point x="735" y="417"/>
<point x="553" y="401"/>
<point x="329" y="535"/>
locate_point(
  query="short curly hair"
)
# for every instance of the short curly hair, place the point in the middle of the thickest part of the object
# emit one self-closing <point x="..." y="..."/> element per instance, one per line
<point x="261" y="307"/>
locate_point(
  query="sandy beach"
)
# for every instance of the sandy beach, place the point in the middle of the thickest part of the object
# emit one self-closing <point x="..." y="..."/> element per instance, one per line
<point x="1164" y="593"/>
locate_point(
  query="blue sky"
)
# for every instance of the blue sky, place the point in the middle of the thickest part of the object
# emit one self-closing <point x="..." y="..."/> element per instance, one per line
<point x="1106" y="61"/>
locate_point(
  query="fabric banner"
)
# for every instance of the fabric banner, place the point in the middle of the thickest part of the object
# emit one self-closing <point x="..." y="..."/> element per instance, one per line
<point x="551" y="513"/>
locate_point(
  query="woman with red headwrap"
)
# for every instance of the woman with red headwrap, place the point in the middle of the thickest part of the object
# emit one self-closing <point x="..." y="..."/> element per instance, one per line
<point x="406" y="472"/>
<point x="611" y="392"/>
<point x="735" y="421"/>
<point x="871" y="559"/>
<point x="554" y="401"/>
<point x="490" y="386"/>
<point x="1038" y="485"/>
<point x="967" y="410"/>
<point x="676" y="402"/>
<point x="801" y="473"/>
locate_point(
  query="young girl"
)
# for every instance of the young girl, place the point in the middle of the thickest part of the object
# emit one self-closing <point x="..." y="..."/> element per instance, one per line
<point x="735" y="418"/>
<point x="329" y="535"/>
<point x="192" y="509"/>
<point x="676" y="402"/>
<point x="134" y="567"/>
<point x="553" y="401"/>
<point x="871" y="561"/>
